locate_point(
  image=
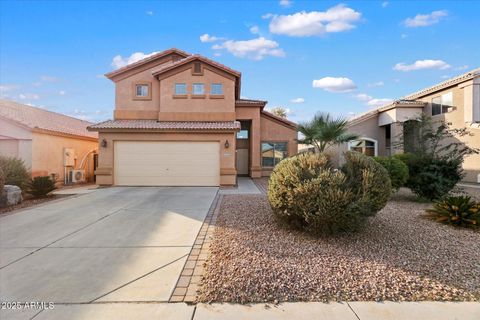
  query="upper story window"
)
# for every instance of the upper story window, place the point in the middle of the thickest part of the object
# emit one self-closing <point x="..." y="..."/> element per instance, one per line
<point x="216" y="89"/>
<point x="442" y="104"/>
<point x="198" y="89"/>
<point x="142" y="91"/>
<point x="180" y="88"/>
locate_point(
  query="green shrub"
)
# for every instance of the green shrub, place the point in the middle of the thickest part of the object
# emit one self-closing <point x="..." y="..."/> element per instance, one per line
<point x="433" y="178"/>
<point x="41" y="186"/>
<point x="458" y="211"/>
<point x="15" y="171"/>
<point x="397" y="170"/>
<point x="306" y="192"/>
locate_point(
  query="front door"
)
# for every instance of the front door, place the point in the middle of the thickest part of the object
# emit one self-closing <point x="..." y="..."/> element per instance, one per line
<point x="243" y="148"/>
<point x="242" y="161"/>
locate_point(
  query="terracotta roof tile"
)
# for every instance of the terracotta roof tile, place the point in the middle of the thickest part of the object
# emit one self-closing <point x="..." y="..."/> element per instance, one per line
<point x="36" y="118"/>
<point x="166" y="125"/>
<point x="191" y="58"/>
<point x="251" y="101"/>
<point x="281" y="119"/>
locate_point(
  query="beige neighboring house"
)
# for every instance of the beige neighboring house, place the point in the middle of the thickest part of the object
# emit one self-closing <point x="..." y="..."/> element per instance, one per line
<point x="48" y="142"/>
<point x="179" y="121"/>
<point x="455" y="101"/>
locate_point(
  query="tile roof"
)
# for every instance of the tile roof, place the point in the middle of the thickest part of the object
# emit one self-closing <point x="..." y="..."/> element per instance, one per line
<point x="36" y="118"/>
<point x="166" y="125"/>
<point x="170" y="66"/>
<point x="146" y="60"/>
<point x="251" y="101"/>
<point x="281" y="119"/>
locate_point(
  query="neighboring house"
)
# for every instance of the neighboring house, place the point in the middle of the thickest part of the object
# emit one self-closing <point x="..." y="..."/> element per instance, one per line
<point x="48" y="142"/>
<point x="455" y="101"/>
<point x="179" y="120"/>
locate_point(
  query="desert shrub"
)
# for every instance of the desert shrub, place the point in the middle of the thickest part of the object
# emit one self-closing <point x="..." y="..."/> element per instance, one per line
<point x="457" y="210"/>
<point x="397" y="170"/>
<point x="41" y="186"/>
<point x="306" y="192"/>
<point x="433" y="177"/>
<point x="2" y="180"/>
<point x="15" y="171"/>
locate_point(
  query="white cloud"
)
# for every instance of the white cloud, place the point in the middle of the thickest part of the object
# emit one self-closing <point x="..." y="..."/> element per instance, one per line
<point x="423" y="20"/>
<point x="267" y="16"/>
<point x="62" y="92"/>
<point x="464" y="67"/>
<point x="28" y="96"/>
<point x="404" y="36"/>
<point x="256" y="49"/>
<point x="119" y="61"/>
<point x="254" y="29"/>
<point x="445" y="76"/>
<point x="376" y="84"/>
<point x="285" y="3"/>
<point x="217" y="54"/>
<point x="385" y="4"/>
<point x="149" y="13"/>
<point x="422" y="64"/>
<point x="363" y="97"/>
<point x="208" y="38"/>
<point x="6" y="88"/>
<point x="315" y="23"/>
<point x="332" y="84"/>
<point x="297" y="100"/>
<point x="379" y="102"/>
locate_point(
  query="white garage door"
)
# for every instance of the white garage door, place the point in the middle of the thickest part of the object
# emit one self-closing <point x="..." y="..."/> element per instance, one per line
<point x="161" y="163"/>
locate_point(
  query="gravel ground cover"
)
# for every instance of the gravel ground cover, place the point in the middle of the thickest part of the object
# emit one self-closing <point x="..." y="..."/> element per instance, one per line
<point x="400" y="256"/>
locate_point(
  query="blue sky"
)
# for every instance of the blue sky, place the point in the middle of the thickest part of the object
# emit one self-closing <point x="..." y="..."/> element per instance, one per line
<point x="308" y="56"/>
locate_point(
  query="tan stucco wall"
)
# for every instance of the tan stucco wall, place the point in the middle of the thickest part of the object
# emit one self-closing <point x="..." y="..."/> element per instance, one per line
<point x="47" y="154"/>
<point x="191" y="108"/>
<point x="273" y="131"/>
<point x="227" y="156"/>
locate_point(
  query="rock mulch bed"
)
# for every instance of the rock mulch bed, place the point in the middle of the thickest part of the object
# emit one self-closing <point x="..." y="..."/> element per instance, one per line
<point x="400" y="256"/>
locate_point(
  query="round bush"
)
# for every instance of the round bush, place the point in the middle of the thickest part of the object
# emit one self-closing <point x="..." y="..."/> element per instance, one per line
<point x="397" y="170"/>
<point x="15" y="172"/>
<point x="306" y="192"/>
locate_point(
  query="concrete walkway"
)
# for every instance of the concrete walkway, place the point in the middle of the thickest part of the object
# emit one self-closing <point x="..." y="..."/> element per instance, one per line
<point x="245" y="185"/>
<point x="284" y="311"/>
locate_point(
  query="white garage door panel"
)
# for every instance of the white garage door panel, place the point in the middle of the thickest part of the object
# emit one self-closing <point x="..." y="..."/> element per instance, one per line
<point x="160" y="163"/>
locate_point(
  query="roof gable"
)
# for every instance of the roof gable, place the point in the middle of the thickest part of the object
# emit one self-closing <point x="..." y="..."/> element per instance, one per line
<point x="142" y="62"/>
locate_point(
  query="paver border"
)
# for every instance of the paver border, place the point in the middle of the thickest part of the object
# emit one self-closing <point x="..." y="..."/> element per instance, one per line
<point x="190" y="278"/>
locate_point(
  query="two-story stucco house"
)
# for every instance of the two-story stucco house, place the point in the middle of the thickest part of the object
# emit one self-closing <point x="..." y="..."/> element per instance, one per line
<point x="179" y="121"/>
<point x="455" y="101"/>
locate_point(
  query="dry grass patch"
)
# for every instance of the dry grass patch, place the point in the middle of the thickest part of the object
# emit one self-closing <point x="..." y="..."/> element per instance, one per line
<point x="400" y="256"/>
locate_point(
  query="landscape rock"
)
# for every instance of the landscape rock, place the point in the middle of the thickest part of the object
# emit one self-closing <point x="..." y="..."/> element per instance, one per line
<point x="11" y="195"/>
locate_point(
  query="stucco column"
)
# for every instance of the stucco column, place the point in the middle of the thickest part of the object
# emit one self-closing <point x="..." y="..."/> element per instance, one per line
<point x="396" y="138"/>
<point x="255" y="168"/>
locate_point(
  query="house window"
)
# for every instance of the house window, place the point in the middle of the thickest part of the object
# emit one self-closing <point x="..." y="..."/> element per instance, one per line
<point x="141" y="90"/>
<point x="442" y="104"/>
<point x="242" y="134"/>
<point x="273" y="153"/>
<point x="180" y="88"/>
<point x="197" y="68"/>
<point x="198" y="88"/>
<point x="366" y="146"/>
<point x="216" y="88"/>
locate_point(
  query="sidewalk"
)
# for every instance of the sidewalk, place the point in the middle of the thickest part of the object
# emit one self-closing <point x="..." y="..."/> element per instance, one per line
<point x="284" y="311"/>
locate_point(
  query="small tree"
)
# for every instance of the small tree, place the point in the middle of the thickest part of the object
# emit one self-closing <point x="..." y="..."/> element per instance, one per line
<point x="279" y="111"/>
<point x="14" y="172"/>
<point x="324" y="131"/>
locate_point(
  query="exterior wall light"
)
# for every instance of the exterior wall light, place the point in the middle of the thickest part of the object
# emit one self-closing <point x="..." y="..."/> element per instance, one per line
<point x="227" y="145"/>
<point x="103" y="143"/>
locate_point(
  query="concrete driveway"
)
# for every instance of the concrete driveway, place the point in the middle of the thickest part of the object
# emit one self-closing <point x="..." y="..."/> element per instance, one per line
<point x="112" y="245"/>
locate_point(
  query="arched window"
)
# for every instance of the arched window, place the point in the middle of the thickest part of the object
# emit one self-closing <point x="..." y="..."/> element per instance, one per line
<point x="366" y="146"/>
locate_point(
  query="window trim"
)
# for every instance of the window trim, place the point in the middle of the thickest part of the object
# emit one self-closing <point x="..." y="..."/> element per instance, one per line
<point x="216" y="84"/>
<point x="142" y="83"/>
<point x="180" y="94"/>
<point x="375" y="144"/>
<point x="272" y="141"/>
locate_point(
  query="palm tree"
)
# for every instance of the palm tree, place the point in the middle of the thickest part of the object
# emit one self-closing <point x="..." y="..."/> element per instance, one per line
<point x="324" y="131"/>
<point x="279" y="111"/>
